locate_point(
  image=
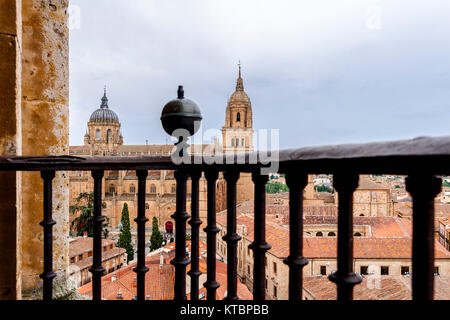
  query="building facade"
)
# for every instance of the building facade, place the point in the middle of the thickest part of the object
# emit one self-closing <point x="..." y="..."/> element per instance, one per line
<point x="80" y="255"/>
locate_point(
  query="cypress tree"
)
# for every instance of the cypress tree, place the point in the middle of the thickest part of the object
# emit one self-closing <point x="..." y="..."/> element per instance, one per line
<point x="125" y="234"/>
<point x="156" y="240"/>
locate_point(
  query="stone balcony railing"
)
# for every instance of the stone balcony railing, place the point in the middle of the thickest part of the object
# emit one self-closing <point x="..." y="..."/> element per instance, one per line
<point x="423" y="160"/>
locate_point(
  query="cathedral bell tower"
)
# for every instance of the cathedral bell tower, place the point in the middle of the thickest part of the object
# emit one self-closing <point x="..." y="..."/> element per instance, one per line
<point x="103" y="135"/>
<point x="237" y="133"/>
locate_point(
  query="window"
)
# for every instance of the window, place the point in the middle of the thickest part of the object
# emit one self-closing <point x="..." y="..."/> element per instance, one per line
<point x="108" y="135"/>
<point x="266" y="284"/>
<point x="152" y="188"/>
<point x="232" y="142"/>
<point x="361" y="215"/>
<point x="132" y="188"/>
<point x="323" y="270"/>
<point x="248" y="269"/>
<point x="238" y="117"/>
<point x="384" y="271"/>
<point x="404" y="271"/>
<point x="374" y="195"/>
<point x="275" y="267"/>
<point x="72" y="259"/>
<point x="97" y="134"/>
<point x="364" y="269"/>
<point x="331" y="234"/>
<point x="104" y="206"/>
<point x="275" y="291"/>
<point x="147" y="206"/>
<point x="80" y="257"/>
<point x="242" y="142"/>
<point x="357" y="234"/>
<point x="112" y="189"/>
<point x="436" y="271"/>
<point x="90" y="253"/>
<point x="174" y="188"/>
<point x="237" y="142"/>
<point x="319" y="234"/>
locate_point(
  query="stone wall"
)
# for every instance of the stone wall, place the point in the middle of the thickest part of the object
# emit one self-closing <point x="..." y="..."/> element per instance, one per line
<point x="10" y="144"/>
<point x="34" y="121"/>
<point x="45" y="128"/>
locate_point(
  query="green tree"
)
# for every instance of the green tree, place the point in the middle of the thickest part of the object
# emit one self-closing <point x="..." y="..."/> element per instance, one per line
<point x="125" y="234"/>
<point x="322" y="188"/>
<point x="276" y="187"/>
<point x="85" y="221"/>
<point x="156" y="240"/>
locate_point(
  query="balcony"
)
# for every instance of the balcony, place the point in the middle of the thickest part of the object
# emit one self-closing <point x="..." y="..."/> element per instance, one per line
<point x="423" y="160"/>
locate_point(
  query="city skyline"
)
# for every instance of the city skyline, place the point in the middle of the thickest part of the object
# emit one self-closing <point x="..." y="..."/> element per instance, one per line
<point x="331" y="73"/>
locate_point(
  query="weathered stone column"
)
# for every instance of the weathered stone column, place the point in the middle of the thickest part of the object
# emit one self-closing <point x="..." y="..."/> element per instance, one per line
<point x="45" y="130"/>
<point x="10" y="144"/>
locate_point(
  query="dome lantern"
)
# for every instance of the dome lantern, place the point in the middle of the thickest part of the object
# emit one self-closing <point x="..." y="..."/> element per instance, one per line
<point x="104" y="114"/>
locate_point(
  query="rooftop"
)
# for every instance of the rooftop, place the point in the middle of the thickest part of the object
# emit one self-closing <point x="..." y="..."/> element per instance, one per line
<point x="373" y="288"/>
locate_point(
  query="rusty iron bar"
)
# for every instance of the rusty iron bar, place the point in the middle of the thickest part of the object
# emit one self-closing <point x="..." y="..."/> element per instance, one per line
<point x="211" y="230"/>
<point x="97" y="269"/>
<point x="296" y="181"/>
<point x="231" y="237"/>
<point x="423" y="187"/>
<point x="345" y="184"/>
<point x="195" y="223"/>
<point x="141" y="219"/>
<point x="180" y="216"/>
<point x="259" y="245"/>
<point x="47" y="223"/>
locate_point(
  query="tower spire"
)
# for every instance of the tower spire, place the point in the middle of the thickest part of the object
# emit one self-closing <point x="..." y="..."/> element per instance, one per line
<point x="239" y="82"/>
<point x="239" y="64"/>
<point x="104" y="99"/>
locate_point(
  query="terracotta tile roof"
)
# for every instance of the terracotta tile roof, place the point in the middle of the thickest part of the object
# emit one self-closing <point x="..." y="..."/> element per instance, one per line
<point x="159" y="282"/>
<point x="82" y="245"/>
<point x="221" y="278"/>
<point x="445" y="222"/>
<point x="106" y="255"/>
<point x="391" y="239"/>
<point x="380" y="288"/>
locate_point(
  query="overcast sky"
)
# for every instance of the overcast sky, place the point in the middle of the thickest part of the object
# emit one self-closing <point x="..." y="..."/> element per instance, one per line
<point x="323" y="72"/>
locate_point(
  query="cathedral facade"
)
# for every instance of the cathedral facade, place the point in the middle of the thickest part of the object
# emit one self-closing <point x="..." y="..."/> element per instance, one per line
<point x="104" y="138"/>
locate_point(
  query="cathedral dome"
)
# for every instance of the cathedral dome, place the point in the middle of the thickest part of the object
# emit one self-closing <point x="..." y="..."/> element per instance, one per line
<point x="104" y="114"/>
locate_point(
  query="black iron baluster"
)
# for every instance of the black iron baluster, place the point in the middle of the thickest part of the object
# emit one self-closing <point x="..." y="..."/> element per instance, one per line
<point x="231" y="237"/>
<point x="211" y="230"/>
<point x="259" y="245"/>
<point x="345" y="184"/>
<point x="296" y="181"/>
<point x="423" y="189"/>
<point x="97" y="268"/>
<point x="180" y="216"/>
<point x="48" y="223"/>
<point x="195" y="223"/>
<point x="141" y="219"/>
